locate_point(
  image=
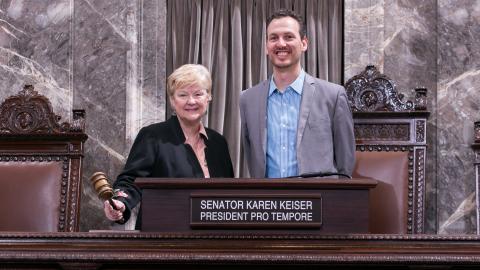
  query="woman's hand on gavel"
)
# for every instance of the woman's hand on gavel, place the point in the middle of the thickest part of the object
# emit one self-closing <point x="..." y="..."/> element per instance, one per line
<point x="112" y="214"/>
<point x="115" y="214"/>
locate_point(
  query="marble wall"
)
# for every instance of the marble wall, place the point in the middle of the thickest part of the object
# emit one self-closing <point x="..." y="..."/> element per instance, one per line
<point x="108" y="57"/>
<point x="458" y="78"/>
<point x="119" y="73"/>
<point x="433" y="44"/>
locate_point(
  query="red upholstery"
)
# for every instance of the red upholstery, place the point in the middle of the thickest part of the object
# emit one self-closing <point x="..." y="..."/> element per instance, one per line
<point x="30" y="196"/>
<point x="388" y="201"/>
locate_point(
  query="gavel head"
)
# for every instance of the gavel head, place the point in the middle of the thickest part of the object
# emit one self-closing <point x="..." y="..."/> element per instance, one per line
<point x="102" y="187"/>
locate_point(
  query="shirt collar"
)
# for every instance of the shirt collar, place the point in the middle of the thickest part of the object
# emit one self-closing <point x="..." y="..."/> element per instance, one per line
<point x="296" y="85"/>
<point x="202" y="132"/>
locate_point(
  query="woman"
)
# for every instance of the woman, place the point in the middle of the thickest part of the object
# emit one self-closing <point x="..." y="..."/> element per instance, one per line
<point x="178" y="147"/>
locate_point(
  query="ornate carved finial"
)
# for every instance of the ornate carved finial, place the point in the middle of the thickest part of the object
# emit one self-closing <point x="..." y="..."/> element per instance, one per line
<point x="373" y="91"/>
<point x="420" y="98"/>
<point x="370" y="69"/>
<point x="476" y="132"/>
<point x="78" y="120"/>
<point x="28" y="91"/>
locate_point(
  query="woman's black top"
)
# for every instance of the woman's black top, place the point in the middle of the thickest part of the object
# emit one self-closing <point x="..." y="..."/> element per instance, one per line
<point x="159" y="151"/>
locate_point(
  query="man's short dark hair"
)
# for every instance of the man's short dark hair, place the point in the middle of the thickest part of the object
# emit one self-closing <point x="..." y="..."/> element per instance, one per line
<point x="281" y="13"/>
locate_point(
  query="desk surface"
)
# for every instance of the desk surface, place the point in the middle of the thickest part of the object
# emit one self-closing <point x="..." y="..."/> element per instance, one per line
<point x="109" y="250"/>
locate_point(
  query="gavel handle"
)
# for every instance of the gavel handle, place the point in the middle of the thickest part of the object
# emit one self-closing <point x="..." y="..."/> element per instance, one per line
<point x="112" y="203"/>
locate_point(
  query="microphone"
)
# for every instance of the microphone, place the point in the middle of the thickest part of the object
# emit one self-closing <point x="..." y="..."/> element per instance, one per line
<point x="320" y="174"/>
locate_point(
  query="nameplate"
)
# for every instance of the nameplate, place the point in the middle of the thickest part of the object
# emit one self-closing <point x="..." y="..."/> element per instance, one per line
<point x="256" y="211"/>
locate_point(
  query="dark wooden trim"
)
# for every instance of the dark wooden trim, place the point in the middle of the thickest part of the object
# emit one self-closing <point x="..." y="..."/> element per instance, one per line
<point x="476" y="146"/>
<point x="391" y="115"/>
<point x="247" y="183"/>
<point x="180" y="251"/>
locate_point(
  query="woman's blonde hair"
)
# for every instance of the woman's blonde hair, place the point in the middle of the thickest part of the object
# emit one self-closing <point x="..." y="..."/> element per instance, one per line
<point x="189" y="74"/>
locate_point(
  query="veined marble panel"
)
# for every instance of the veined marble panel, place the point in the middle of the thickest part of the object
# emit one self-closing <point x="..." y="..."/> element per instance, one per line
<point x="458" y="108"/>
<point x="410" y="45"/>
<point x="35" y="42"/>
<point x="364" y="35"/>
<point x="118" y="79"/>
<point x="411" y="60"/>
<point x="100" y="56"/>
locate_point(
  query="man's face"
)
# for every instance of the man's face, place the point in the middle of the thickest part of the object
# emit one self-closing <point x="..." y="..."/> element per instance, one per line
<point x="284" y="44"/>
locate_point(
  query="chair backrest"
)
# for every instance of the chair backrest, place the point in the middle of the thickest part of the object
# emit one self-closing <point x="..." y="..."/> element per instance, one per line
<point x="391" y="148"/>
<point x="476" y="149"/>
<point x="40" y="165"/>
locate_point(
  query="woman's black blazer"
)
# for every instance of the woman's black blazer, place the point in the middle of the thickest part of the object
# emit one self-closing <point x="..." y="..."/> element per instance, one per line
<point x="159" y="151"/>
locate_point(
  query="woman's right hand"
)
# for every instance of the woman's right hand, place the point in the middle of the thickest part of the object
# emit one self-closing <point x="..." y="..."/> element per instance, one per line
<point x="112" y="214"/>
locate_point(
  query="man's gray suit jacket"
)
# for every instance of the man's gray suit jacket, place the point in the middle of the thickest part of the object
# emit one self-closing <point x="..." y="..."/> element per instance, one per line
<point x="325" y="139"/>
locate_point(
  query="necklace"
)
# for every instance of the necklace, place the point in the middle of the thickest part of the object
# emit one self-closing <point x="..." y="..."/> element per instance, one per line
<point x="198" y="148"/>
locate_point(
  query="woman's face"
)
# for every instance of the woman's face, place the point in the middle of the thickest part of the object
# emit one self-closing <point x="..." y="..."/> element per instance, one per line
<point x="190" y="103"/>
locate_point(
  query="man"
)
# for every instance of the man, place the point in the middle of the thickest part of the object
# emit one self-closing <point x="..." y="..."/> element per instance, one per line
<point x="293" y="123"/>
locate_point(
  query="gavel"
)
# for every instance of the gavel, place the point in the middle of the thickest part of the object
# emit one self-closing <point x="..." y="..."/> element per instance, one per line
<point x="102" y="188"/>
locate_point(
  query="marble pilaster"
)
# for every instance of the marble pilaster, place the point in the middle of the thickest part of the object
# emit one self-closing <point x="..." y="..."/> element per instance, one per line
<point x="410" y="59"/>
<point x="100" y="56"/>
<point x="119" y="78"/>
<point x="458" y="107"/>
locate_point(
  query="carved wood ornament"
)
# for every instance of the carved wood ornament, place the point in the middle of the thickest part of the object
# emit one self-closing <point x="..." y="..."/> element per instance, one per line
<point x="31" y="113"/>
<point x="372" y="91"/>
<point x="383" y="122"/>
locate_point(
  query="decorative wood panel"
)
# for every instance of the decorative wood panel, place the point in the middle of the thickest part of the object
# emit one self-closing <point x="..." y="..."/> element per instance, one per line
<point x="384" y="122"/>
<point x="31" y="132"/>
<point x="111" y="250"/>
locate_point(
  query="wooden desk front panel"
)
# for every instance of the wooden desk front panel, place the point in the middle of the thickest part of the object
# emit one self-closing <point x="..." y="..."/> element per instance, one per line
<point x="343" y="211"/>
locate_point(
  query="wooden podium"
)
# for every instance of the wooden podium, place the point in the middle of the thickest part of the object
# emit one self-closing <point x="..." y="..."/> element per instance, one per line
<point x="255" y="206"/>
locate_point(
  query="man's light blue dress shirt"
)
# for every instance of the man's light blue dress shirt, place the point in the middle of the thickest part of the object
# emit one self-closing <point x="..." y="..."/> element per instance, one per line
<point x="282" y="120"/>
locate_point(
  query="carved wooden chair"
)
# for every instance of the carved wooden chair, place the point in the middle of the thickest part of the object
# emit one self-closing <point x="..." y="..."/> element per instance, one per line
<point x="476" y="149"/>
<point x="391" y="148"/>
<point x="40" y="165"/>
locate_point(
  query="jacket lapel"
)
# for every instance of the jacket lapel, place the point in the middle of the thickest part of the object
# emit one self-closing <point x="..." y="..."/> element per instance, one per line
<point x="305" y="105"/>
<point x="178" y="136"/>
<point x="262" y="114"/>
